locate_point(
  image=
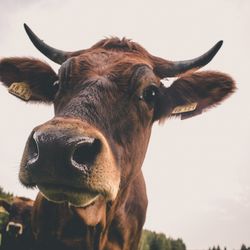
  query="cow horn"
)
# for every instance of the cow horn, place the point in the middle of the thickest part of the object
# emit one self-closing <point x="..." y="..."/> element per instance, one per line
<point x="164" y="68"/>
<point x="58" y="56"/>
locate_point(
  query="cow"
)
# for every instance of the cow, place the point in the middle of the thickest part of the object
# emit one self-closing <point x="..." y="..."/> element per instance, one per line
<point x="86" y="161"/>
<point x="17" y="233"/>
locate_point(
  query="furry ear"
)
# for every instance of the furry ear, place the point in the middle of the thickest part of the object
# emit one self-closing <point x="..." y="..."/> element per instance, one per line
<point x="6" y="205"/>
<point x="33" y="79"/>
<point x="193" y="93"/>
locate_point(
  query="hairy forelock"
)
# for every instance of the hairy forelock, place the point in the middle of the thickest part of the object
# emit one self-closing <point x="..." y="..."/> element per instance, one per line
<point x="124" y="44"/>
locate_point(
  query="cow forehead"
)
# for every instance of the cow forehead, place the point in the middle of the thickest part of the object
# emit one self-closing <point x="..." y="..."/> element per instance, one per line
<point x="101" y="55"/>
<point x="105" y="62"/>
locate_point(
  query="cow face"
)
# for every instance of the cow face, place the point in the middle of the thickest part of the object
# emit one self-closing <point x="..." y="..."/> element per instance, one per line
<point x="106" y="99"/>
<point x="19" y="220"/>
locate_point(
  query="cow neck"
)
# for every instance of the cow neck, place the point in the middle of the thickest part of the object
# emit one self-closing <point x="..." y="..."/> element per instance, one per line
<point x="60" y="226"/>
<point x="57" y="226"/>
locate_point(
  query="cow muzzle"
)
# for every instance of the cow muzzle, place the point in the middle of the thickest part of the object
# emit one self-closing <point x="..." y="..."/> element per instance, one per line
<point x="14" y="228"/>
<point x="70" y="161"/>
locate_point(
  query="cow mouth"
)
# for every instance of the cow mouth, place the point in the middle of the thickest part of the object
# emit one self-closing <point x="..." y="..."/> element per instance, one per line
<point x="77" y="197"/>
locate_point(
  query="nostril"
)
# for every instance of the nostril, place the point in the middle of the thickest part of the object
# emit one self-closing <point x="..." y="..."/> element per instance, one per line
<point x="86" y="152"/>
<point x="33" y="152"/>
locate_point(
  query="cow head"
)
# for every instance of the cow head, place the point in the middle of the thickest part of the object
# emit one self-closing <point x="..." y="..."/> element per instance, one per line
<point x="19" y="219"/>
<point x="106" y="99"/>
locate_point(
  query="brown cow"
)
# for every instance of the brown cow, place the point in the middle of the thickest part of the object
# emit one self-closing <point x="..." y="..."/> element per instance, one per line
<point x="87" y="160"/>
<point x="17" y="234"/>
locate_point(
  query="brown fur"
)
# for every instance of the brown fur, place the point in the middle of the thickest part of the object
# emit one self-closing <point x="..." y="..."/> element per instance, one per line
<point x="19" y="212"/>
<point x="107" y="86"/>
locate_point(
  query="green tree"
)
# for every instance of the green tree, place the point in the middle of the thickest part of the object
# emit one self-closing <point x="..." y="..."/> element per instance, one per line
<point x="146" y="240"/>
<point x="158" y="241"/>
<point x="4" y="218"/>
<point x="243" y="247"/>
<point x="5" y="195"/>
<point x="4" y="215"/>
<point x="178" y="245"/>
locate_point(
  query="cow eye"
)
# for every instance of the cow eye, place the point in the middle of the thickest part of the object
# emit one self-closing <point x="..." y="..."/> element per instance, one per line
<point x="150" y="94"/>
<point x="56" y="86"/>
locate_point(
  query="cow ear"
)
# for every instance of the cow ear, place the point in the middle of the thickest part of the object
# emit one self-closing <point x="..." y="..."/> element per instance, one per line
<point x="6" y="205"/>
<point x="29" y="79"/>
<point x="193" y="93"/>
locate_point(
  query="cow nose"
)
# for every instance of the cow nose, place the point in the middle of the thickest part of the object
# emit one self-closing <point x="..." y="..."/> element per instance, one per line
<point x="85" y="152"/>
<point x="14" y="228"/>
<point x="61" y="148"/>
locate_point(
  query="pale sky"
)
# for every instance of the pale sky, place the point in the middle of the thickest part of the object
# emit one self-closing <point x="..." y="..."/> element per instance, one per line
<point x="197" y="170"/>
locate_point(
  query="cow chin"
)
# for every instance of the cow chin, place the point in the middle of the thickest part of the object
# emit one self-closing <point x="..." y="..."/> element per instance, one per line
<point x="74" y="198"/>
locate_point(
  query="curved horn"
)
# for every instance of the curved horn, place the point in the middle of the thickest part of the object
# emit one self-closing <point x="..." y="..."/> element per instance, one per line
<point x="56" y="55"/>
<point x="164" y="68"/>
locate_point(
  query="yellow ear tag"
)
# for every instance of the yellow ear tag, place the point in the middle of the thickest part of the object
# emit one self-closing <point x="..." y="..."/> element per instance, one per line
<point x="185" y="108"/>
<point x="21" y="90"/>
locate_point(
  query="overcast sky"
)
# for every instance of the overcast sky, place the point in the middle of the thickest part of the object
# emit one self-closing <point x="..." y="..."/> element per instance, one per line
<point x="197" y="170"/>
